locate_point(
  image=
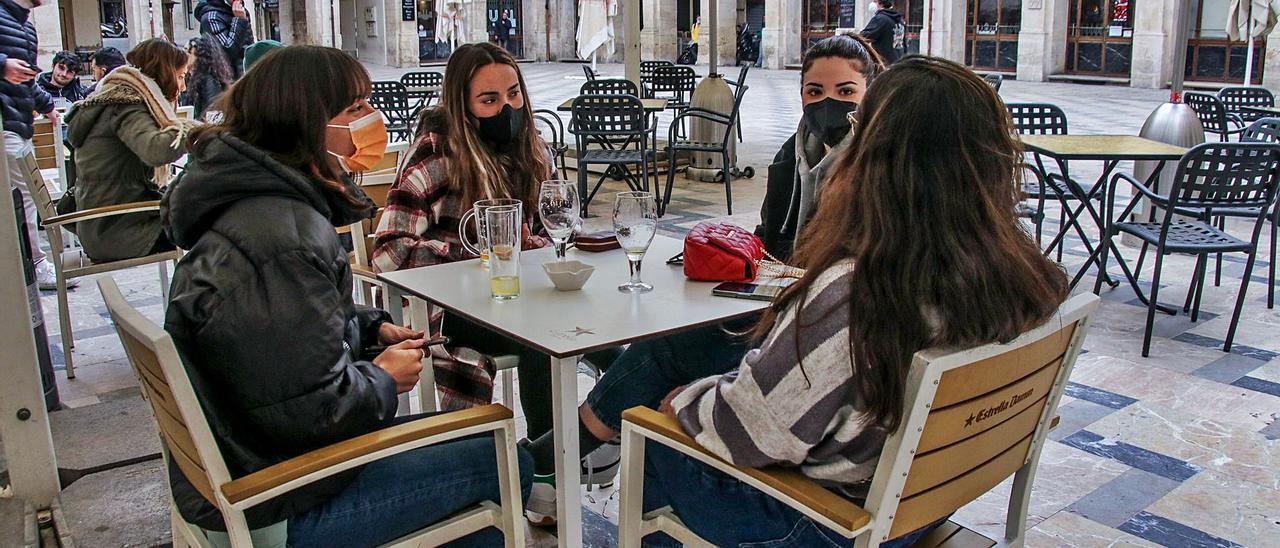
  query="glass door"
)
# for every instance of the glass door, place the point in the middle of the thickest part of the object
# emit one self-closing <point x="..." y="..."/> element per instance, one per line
<point x="821" y="19"/>
<point x="991" y="34"/>
<point x="1100" y="37"/>
<point x="512" y="8"/>
<point x="1211" y="57"/>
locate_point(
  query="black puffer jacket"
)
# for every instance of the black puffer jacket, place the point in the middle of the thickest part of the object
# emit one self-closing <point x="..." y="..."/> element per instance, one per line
<point x="232" y="33"/>
<point x="18" y="41"/>
<point x="261" y="313"/>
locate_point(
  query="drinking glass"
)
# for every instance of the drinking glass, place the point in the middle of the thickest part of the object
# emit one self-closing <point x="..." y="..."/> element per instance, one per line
<point x="480" y="247"/>
<point x="503" y="232"/>
<point x="558" y="209"/>
<point x="635" y="220"/>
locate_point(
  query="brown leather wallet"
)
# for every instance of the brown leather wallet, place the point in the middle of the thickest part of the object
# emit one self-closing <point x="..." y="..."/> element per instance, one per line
<point x="595" y="242"/>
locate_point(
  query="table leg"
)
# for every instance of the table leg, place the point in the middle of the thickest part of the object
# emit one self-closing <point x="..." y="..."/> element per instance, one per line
<point x="564" y="410"/>
<point x="394" y="297"/>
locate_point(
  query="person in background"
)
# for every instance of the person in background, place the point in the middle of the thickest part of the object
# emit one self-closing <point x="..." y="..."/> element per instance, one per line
<point x="102" y="62"/>
<point x="914" y="246"/>
<point x="208" y="76"/>
<point x="257" y="209"/>
<point x="228" y="24"/>
<point x="257" y="49"/>
<point x="834" y="75"/>
<point x="502" y="30"/>
<point x="63" y="80"/>
<point x="887" y="32"/>
<point x="125" y="136"/>
<point x="20" y="100"/>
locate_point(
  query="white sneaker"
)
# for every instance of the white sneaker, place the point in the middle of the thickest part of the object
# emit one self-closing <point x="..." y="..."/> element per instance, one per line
<point x="599" y="468"/>
<point x="48" y="280"/>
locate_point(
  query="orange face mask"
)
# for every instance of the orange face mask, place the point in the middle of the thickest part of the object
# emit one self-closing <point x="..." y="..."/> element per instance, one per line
<point x="369" y="135"/>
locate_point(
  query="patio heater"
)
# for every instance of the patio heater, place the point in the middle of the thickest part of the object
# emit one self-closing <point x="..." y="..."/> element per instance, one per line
<point x="712" y="94"/>
<point x="1173" y="122"/>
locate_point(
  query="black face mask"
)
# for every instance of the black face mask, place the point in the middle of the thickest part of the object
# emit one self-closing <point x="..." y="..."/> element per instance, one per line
<point x="502" y="128"/>
<point x="829" y="119"/>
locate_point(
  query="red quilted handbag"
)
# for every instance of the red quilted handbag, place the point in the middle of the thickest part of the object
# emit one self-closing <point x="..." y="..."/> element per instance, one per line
<point x="721" y="252"/>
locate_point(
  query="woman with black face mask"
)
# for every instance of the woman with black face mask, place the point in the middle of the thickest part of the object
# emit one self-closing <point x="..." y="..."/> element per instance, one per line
<point x="480" y="143"/>
<point x="835" y="74"/>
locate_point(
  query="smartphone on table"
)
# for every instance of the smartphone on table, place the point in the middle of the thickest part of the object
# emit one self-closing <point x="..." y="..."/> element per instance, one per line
<point x="752" y="291"/>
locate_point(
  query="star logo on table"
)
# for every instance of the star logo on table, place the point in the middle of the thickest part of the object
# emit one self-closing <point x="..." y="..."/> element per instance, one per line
<point x="969" y="421"/>
<point x="580" y="331"/>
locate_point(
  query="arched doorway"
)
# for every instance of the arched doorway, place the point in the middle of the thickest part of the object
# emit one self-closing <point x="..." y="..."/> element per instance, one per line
<point x="991" y="34"/>
<point x="1100" y="37"/>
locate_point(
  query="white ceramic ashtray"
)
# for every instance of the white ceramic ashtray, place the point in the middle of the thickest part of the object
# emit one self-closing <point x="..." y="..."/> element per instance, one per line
<point x="568" y="275"/>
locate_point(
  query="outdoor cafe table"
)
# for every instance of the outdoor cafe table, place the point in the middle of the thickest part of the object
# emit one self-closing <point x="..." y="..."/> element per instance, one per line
<point x="1269" y="111"/>
<point x="566" y="325"/>
<point x="650" y="105"/>
<point x="1110" y="150"/>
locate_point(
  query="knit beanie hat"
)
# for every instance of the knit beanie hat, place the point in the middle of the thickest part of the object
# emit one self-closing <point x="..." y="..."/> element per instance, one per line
<point x="257" y="49"/>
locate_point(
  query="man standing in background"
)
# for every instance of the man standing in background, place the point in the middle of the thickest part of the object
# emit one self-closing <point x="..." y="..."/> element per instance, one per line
<point x="502" y="31"/>
<point x="20" y="99"/>
<point x="228" y="24"/>
<point x="887" y="32"/>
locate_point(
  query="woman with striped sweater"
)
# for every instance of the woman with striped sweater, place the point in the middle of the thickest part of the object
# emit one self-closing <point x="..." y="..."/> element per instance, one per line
<point x="914" y="245"/>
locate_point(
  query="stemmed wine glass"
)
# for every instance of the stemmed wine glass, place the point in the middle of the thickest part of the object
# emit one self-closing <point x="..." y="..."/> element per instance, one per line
<point x="558" y="209"/>
<point x="635" y="220"/>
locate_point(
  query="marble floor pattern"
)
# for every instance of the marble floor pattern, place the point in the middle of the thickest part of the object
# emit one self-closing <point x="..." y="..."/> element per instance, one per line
<point x="1178" y="449"/>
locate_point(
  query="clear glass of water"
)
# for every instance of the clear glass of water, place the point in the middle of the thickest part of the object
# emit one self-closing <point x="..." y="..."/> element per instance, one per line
<point x="635" y="220"/>
<point x="558" y="209"/>
<point x="503" y="233"/>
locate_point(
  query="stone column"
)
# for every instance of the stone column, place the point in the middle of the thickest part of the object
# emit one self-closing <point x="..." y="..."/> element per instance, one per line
<point x="401" y="36"/>
<point x="780" y="39"/>
<point x="727" y="15"/>
<point x="534" y="28"/>
<point x="140" y="23"/>
<point x="947" y="28"/>
<point x="1042" y="42"/>
<point x="1153" y="37"/>
<point x="48" y="34"/>
<point x="85" y="20"/>
<point x="658" y="38"/>
<point x="320" y="22"/>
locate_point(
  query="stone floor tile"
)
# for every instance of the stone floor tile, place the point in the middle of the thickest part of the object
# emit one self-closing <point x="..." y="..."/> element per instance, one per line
<point x="1067" y="530"/>
<point x="1240" y="511"/>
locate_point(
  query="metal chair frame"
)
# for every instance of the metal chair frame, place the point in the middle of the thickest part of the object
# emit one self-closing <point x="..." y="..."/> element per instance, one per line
<point x="392" y="99"/>
<point x="591" y="74"/>
<point x="995" y="80"/>
<point x="609" y="86"/>
<point x="1210" y="176"/>
<point x="423" y="86"/>
<point x="618" y="126"/>
<point x="741" y="80"/>
<point x="675" y="145"/>
<point x="1235" y="98"/>
<point x="1213" y="115"/>
<point x="646" y="74"/>
<point x="1044" y="119"/>
<point x="557" y="143"/>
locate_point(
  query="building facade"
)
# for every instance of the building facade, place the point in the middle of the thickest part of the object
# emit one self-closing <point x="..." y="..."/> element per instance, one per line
<point x="1118" y="41"/>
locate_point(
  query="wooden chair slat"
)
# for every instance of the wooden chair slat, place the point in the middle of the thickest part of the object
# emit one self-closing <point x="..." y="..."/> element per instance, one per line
<point x="194" y="472"/>
<point x="924" y="508"/>
<point x="929" y="470"/>
<point x="959" y="422"/>
<point x="42" y="139"/>
<point x="974" y="380"/>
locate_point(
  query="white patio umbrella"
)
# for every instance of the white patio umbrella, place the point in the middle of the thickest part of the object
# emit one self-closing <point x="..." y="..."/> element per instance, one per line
<point x="595" y="28"/>
<point x="1252" y="19"/>
<point x="451" y="22"/>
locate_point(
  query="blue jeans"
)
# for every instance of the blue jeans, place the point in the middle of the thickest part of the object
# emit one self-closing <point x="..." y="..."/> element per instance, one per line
<point x="400" y="494"/>
<point x="648" y="370"/>
<point x="727" y="512"/>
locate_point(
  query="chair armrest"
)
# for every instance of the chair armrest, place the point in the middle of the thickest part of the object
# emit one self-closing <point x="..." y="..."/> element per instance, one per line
<point x="1137" y="185"/>
<point x="344" y="455"/>
<point x="99" y="212"/>
<point x="796" y="490"/>
<point x="706" y="111"/>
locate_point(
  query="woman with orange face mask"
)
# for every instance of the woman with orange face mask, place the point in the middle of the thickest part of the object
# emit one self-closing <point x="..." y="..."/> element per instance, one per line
<point x="261" y="311"/>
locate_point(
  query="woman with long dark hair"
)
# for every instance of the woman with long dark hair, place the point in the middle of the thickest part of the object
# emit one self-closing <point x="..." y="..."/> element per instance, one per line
<point x="209" y="76"/>
<point x="262" y="314"/>
<point x="914" y="245"/>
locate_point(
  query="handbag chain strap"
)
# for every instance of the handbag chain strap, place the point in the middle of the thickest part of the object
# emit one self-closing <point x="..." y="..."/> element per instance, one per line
<point x="778" y="268"/>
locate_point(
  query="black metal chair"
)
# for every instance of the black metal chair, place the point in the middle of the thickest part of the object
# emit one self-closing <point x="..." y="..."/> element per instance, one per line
<point x="646" y="74"/>
<point x="611" y="130"/>
<point x="675" y="144"/>
<point x="423" y="86"/>
<point x="995" y="80"/>
<point x="392" y="98"/>
<point x="1043" y="119"/>
<point x="678" y="82"/>
<point x="1210" y="176"/>
<point x="609" y="86"/>
<point x="742" y="79"/>
<point x="591" y="74"/>
<point x="1236" y="98"/>
<point x="1213" y="115"/>
<point x="555" y="127"/>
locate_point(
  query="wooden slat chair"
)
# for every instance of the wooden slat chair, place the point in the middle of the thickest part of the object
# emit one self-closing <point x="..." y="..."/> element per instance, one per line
<point x="973" y="418"/>
<point x="47" y="140"/>
<point x="185" y="437"/>
<point x="70" y="263"/>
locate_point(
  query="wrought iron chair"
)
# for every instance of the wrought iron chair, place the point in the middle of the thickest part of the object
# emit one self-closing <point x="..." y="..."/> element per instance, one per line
<point x="555" y="127"/>
<point x="646" y="74"/>
<point x="591" y="74"/>
<point x="937" y="460"/>
<point x="995" y="80"/>
<point x="1236" y="98"/>
<point x="392" y="99"/>
<point x="1213" y="115"/>
<point x="675" y="145"/>
<point x="423" y="87"/>
<point x="1043" y="119"/>
<point x="609" y="86"/>
<point x="611" y="130"/>
<point x="678" y="82"/>
<point x="742" y="79"/>
<point x="1210" y="177"/>
<point x="187" y="440"/>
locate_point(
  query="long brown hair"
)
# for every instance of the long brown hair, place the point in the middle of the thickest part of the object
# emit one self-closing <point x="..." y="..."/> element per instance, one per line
<point x="478" y="170"/>
<point x="283" y="105"/>
<point x="923" y="202"/>
<point x="160" y="60"/>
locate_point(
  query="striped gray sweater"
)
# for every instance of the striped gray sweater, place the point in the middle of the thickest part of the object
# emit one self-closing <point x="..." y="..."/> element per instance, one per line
<point x="767" y="413"/>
